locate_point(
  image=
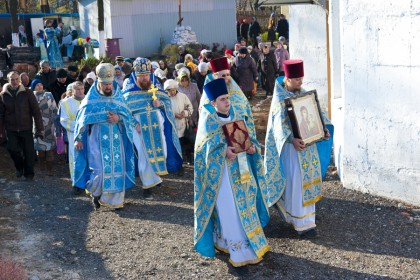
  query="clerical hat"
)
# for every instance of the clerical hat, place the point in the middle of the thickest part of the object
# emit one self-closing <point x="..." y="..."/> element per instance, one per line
<point x="142" y="66"/>
<point x="105" y="72"/>
<point x="293" y="68"/>
<point x="215" y="89"/>
<point x="219" y="64"/>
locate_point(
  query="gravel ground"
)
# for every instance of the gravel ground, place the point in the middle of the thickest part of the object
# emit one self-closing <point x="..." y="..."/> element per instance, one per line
<point x="56" y="235"/>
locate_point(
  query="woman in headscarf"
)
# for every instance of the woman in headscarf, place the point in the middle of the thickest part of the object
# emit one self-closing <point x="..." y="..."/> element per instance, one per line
<point x="281" y="55"/>
<point x="247" y="71"/>
<point x="189" y="63"/>
<point x="45" y="146"/>
<point x="119" y="76"/>
<point x="164" y="67"/>
<point x="192" y="92"/>
<point x="183" y="109"/>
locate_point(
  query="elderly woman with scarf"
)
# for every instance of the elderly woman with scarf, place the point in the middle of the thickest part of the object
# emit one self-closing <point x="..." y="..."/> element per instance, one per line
<point x="247" y="72"/>
<point x="45" y="146"/>
<point x="119" y="76"/>
<point x="192" y="92"/>
<point x="183" y="109"/>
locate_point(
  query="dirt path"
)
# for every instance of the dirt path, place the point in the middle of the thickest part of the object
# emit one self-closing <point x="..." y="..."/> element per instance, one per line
<point x="56" y="235"/>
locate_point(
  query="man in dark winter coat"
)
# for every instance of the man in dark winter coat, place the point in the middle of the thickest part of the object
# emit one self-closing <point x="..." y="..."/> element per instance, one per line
<point x="18" y="110"/>
<point x="60" y="85"/>
<point x="46" y="75"/>
<point x="267" y="64"/>
<point x="283" y="27"/>
<point x="243" y="29"/>
<point x="25" y="80"/>
<point x="254" y="31"/>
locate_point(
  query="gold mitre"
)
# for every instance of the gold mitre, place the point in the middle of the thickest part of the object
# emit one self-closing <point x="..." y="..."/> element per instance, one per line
<point x="105" y="73"/>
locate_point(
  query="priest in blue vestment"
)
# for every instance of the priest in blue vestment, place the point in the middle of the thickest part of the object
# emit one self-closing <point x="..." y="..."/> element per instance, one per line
<point x="104" y="157"/>
<point x="53" y="49"/>
<point x="229" y="208"/>
<point x="156" y="139"/>
<point x="221" y="69"/>
<point x="294" y="169"/>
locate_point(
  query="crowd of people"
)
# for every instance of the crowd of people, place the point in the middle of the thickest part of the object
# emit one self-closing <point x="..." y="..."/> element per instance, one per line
<point x="137" y="118"/>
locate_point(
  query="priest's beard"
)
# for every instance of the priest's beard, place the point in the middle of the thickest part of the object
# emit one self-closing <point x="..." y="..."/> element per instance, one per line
<point x="145" y="85"/>
<point x="294" y="90"/>
<point x="106" y="92"/>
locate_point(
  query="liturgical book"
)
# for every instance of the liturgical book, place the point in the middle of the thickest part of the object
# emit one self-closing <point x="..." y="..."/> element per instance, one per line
<point x="237" y="135"/>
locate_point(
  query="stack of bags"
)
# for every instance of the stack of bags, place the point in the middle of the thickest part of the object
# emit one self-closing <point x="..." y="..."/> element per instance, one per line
<point x="184" y="35"/>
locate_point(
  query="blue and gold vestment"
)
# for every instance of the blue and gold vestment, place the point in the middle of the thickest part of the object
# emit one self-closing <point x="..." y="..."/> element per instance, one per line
<point x="116" y="141"/>
<point x="313" y="160"/>
<point x="210" y="160"/>
<point x="140" y="103"/>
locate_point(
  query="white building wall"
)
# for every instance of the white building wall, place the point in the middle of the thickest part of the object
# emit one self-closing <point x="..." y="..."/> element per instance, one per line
<point x="381" y="70"/>
<point x="375" y="70"/>
<point x="88" y="16"/>
<point x="307" y="42"/>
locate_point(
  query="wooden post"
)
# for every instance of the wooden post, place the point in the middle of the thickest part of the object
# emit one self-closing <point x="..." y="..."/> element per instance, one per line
<point x="179" y="10"/>
<point x="45" y="7"/>
<point x="13" y="6"/>
<point x="101" y="27"/>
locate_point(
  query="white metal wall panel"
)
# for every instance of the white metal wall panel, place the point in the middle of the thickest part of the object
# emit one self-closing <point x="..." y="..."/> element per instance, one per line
<point x="141" y="23"/>
<point x="208" y="27"/>
<point x="122" y="27"/>
<point x="141" y="7"/>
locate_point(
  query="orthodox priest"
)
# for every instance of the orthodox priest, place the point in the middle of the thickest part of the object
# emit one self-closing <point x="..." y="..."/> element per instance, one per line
<point x="221" y="69"/>
<point x="293" y="168"/>
<point x="104" y="157"/>
<point x="229" y="209"/>
<point x="156" y="139"/>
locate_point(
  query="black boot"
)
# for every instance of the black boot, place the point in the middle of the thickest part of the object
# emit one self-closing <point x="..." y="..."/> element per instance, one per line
<point x="147" y="194"/>
<point x="95" y="202"/>
<point x="77" y="191"/>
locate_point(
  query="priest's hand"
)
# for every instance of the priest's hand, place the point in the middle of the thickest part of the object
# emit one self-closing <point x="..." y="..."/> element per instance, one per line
<point x="327" y="133"/>
<point x="298" y="144"/>
<point x="156" y="103"/>
<point x="113" y="118"/>
<point x="78" y="145"/>
<point x="138" y="128"/>
<point x="230" y="153"/>
<point x="251" y="150"/>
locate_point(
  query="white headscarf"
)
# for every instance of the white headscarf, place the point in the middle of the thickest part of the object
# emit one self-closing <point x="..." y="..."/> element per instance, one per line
<point x="159" y="73"/>
<point x="203" y="67"/>
<point x="170" y="84"/>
